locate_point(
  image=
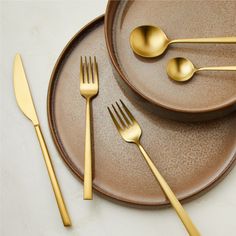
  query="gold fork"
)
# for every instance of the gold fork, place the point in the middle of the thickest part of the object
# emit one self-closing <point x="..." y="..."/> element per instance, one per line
<point x="130" y="131"/>
<point x="88" y="89"/>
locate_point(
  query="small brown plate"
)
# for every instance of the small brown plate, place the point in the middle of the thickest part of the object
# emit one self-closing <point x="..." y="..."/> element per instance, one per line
<point x="209" y="94"/>
<point x="191" y="156"/>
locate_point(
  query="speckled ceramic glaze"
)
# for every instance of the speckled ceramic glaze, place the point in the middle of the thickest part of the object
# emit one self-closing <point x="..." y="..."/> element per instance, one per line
<point x="191" y="156"/>
<point x="209" y="94"/>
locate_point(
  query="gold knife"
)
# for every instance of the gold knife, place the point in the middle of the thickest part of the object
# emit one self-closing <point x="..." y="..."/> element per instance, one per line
<point x="25" y="102"/>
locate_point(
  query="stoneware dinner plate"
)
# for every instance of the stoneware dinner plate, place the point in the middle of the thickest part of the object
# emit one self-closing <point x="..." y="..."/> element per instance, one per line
<point x="191" y="156"/>
<point x="209" y="94"/>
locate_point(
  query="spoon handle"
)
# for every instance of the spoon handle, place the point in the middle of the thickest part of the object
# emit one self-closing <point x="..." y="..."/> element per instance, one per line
<point x="218" y="68"/>
<point x="205" y="40"/>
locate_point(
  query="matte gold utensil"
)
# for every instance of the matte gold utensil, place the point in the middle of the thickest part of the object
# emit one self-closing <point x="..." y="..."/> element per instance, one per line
<point x="181" y="69"/>
<point x="88" y="89"/>
<point x="25" y="102"/>
<point x="151" y="41"/>
<point x="130" y="131"/>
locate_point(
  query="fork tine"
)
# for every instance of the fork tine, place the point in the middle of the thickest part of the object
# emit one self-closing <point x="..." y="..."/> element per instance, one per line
<point x="123" y="114"/>
<point x="114" y="119"/>
<point x="86" y="71"/>
<point x="90" y="75"/>
<point x="117" y="114"/>
<point x="128" y="112"/>
<point x="81" y="74"/>
<point x="95" y="71"/>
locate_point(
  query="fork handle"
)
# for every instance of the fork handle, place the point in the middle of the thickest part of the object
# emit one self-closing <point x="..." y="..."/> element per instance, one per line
<point x="88" y="193"/>
<point x="59" y="198"/>
<point x="183" y="215"/>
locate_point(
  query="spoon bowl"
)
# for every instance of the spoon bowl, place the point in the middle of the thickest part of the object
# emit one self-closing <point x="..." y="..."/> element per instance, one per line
<point x="180" y="69"/>
<point x="148" y="41"/>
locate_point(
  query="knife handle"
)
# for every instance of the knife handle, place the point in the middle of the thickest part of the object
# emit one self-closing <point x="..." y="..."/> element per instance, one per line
<point x="60" y="202"/>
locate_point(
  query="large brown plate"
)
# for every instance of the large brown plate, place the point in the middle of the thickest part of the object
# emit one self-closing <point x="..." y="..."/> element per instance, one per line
<point x="209" y="94"/>
<point x="191" y="157"/>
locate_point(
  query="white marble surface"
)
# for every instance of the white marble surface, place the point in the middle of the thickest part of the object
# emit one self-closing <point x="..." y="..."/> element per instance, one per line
<point x="39" y="30"/>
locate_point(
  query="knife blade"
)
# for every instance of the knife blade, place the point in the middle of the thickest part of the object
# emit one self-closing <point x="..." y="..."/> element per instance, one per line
<point x="22" y="91"/>
<point x="26" y="104"/>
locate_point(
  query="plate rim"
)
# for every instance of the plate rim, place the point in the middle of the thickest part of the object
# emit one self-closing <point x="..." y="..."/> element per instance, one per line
<point x="74" y="169"/>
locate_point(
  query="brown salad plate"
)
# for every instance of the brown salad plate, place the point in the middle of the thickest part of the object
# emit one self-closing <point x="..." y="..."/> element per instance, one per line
<point x="208" y="95"/>
<point x="192" y="157"/>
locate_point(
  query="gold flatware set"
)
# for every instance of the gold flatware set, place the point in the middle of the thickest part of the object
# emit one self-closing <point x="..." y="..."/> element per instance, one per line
<point x="150" y="41"/>
<point x="123" y="119"/>
<point x="146" y="41"/>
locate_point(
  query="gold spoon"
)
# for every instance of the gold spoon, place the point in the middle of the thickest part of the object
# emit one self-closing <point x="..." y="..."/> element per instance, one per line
<point x="151" y="41"/>
<point x="181" y="69"/>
